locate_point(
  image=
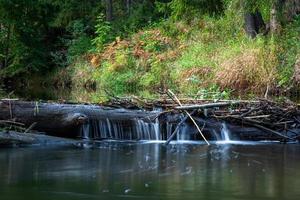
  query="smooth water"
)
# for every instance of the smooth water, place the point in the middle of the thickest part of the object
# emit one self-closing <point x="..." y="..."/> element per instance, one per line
<point x="151" y="171"/>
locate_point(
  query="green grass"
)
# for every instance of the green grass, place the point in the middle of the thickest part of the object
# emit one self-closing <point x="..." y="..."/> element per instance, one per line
<point x="209" y="56"/>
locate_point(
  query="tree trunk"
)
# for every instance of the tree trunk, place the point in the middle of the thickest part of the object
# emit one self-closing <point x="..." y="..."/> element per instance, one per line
<point x="109" y="10"/>
<point x="253" y="23"/>
<point x="8" y="38"/>
<point x="11" y="137"/>
<point x="128" y="6"/>
<point x="274" y="21"/>
<point x="65" y="120"/>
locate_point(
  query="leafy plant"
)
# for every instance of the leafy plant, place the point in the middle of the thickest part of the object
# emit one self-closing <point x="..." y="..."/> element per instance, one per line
<point x="103" y="33"/>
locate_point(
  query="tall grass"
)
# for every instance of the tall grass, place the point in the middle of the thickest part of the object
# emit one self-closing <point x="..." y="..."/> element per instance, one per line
<point x="206" y="54"/>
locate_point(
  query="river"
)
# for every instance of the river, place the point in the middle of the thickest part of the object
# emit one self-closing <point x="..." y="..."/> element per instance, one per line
<point x="150" y="170"/>
<point x="147" y="170"/>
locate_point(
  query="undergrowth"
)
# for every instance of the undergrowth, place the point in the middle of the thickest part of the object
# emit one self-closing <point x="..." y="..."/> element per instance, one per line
<point x="208" y="56"/>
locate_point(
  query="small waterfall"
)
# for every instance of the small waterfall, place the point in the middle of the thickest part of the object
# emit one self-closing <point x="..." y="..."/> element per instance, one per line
<point x="136" y="129"/>
<point x="85" y="131"/>
<point x="169" y="129"/>
<point x="225" y="133"/>
<point x="183" y="133"/>
<point x="141" y="129"/>
<point x="157" y="130"/>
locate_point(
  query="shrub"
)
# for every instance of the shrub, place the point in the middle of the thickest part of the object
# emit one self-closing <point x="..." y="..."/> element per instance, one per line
<point x="103" y="33"/>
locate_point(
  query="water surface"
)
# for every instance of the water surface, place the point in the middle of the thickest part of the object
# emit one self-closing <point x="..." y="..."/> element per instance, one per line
<point x="151" y="171"/>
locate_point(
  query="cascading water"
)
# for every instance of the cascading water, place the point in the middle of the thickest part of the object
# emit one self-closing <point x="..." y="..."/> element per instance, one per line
<point x="144" y="129"/>
<point x="225" y="133"/>
<point x="85" y="131"/>
<point x="136" y="129"/>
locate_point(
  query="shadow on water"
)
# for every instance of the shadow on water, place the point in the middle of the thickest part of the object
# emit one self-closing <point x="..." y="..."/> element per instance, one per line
<point x="151" y="171"/>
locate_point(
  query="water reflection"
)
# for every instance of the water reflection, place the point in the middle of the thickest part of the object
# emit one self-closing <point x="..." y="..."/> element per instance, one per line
<point x="152" y="171"/>
<point x="48" y="92"/>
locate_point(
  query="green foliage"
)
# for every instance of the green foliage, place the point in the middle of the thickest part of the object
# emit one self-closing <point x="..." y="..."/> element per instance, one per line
<point x="158" y="77"/>
<point x="80" y="42"/>
<point x="186" y="9"/>
<point x="264" y="6"/>
<point x="25" y="44"/>
<point x="119" y="82"/>
<point x="178" y="44"/>
<point x="103" y="33"/>
<point x="36" y="35"/>
<point x="213" y="92"/>
<point x="289" y="41"/>
<point x="141" y="15"/>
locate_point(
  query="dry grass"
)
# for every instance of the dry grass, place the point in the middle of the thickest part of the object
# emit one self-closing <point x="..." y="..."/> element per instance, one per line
<point x="138" y="46"/>
<point x="198" y="72"/>
<point x="252" y="70"/>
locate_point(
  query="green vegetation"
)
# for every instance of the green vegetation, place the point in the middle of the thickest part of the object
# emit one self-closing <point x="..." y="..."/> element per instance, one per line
<point x="138" y="47"/>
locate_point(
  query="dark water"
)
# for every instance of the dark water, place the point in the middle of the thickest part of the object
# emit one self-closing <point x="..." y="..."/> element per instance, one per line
<point x="151" y="171"/>
<point x="38" y="92"/>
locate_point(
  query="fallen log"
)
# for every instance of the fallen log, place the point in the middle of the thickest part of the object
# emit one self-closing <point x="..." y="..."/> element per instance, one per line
<point x="12" y="137"/>
<point x="100" y="122"/>
<point x="209" y="105"/>
<point x="63" y="120"/>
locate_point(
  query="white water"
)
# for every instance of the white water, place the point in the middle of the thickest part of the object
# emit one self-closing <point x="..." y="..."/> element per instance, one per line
<point x="140" y="130"/>
<point x="227" y="138"/>
<point x="137" y="129"/>
<point x="225" y="133"/>
<point x="85" y="131"/>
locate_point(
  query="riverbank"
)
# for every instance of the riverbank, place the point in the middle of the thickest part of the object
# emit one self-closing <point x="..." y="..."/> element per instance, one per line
<point x="208" y="57"/>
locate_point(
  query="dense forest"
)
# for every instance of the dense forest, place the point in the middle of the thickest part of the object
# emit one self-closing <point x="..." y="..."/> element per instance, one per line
<point x="142" y="46"/>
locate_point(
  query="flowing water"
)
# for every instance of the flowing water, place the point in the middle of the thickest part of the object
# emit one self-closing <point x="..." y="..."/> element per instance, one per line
<point x="227" y="169"/>
<point x="225" y="132"/>
<point x="151" y="170"/>
<point x="136" y="129"/>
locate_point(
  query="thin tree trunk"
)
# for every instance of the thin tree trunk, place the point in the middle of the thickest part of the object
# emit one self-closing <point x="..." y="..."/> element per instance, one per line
<point x="8" y="38"/>
<point x="1" y="55"/>
<point x="109" y="10"/>
<point x="128" y="6"/>
<point x="274" y="17"/>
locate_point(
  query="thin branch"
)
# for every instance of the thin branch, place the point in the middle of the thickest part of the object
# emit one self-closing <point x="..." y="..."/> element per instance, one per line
<point x="179" y="103"/>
